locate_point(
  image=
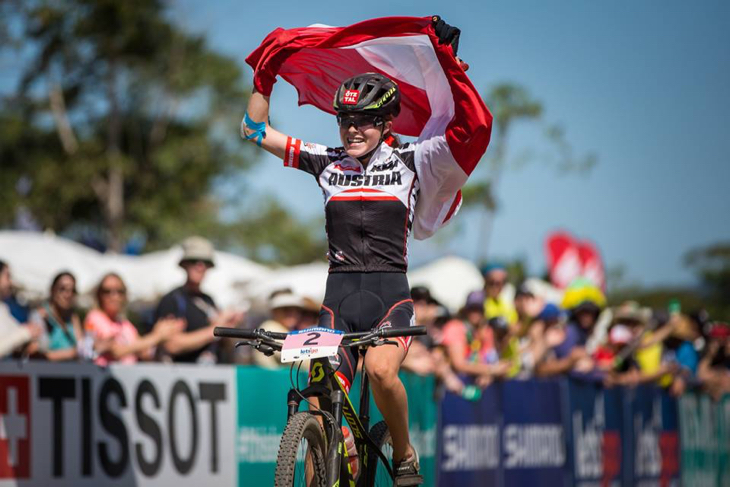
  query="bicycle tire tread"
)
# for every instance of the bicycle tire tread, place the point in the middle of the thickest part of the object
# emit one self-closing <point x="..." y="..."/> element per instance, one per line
<point x="300" y="424"/>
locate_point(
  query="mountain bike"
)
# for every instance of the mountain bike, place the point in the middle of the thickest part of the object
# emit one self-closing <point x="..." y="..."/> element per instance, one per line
<point x="312" y="451"/>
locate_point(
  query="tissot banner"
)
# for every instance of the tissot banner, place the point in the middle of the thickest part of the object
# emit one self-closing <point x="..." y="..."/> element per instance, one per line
<point x="82" y="425"/>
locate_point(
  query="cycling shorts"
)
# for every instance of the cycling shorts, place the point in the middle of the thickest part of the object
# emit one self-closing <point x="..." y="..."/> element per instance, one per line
<point x="362" y="302"/>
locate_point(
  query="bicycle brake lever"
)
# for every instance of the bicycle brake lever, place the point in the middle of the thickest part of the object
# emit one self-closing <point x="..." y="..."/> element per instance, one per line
<point x="384" y="341"/>
<point x="265" y="349"/>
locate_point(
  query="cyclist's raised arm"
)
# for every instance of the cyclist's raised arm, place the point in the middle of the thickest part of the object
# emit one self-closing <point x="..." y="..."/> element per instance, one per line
<point x="311" y="158"/>
<point x="255" y="126"/>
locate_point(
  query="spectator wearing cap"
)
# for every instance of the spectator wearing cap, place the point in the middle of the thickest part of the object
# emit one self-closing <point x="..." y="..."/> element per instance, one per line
<point x="13" y="335"/>
<point x="606" y="355"/>
<point x="310" y="313"/>
<point x="495" y="304"/>
<point x="534" y="340"/>
<point x="195" y="307"/>
<point x="286" y="310"/>
<point x="570" y="353"/>
<point x="469" y="344"/>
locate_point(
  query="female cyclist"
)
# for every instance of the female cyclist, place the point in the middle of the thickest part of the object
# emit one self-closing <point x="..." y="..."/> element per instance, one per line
<point x="370" y="185"/>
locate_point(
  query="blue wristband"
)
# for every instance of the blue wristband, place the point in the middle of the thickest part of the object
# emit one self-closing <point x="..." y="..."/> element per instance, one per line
<point x="258" y="128"/>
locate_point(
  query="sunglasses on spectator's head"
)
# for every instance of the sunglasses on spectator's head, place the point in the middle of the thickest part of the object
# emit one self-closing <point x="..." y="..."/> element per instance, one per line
<point x="108" y="291"/>
<point x="360" y="121"/>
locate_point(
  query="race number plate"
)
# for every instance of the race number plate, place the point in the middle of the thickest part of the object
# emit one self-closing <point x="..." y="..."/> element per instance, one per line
<point x="310" y="343"/>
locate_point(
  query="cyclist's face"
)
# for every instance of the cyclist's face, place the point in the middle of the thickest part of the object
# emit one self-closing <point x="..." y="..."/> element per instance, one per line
<point x="360" y="133"/>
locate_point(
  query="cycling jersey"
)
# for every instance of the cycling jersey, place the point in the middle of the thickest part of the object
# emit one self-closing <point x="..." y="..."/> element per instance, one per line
<point x="368" y="209"/>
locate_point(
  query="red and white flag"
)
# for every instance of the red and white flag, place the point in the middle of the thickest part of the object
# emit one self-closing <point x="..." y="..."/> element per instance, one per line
<point x="438" y="99"/>
<point x="569" y="258"/>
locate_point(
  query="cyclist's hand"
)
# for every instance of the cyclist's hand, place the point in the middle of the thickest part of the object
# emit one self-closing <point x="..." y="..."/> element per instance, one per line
<point x="446" y="33"/>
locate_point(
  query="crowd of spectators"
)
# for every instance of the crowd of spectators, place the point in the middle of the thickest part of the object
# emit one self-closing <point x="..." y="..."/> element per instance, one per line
<point x="494" y="336"/>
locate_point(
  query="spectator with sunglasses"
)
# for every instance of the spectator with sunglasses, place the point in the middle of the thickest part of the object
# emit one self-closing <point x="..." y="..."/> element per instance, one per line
<point x="116" y="338"/>
<point x="495" y="303"/>
<point x="59" y="322"/>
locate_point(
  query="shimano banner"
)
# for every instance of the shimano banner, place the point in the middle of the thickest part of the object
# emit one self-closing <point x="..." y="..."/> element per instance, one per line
<point x="514" y="435"/>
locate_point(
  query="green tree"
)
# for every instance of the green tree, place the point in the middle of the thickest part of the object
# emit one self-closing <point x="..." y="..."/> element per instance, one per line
<point x="121" y="121"/>
<point x="712" y="267"/>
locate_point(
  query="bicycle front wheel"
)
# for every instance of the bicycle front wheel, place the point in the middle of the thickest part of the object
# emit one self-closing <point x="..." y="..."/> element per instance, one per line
<point x="377" y="475"/>
<point x="302" y="452"/>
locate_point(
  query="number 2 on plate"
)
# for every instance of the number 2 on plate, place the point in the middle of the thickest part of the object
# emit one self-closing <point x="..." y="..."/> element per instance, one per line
<point x="312" y="340"/>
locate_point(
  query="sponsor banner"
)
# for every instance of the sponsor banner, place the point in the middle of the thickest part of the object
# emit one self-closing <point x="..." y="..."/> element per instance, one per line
<point x="533" y="439"/>
<point x="595" y="425"/>
<point x="469" y="449"/>
<point x="83" y="425"/>
<point x="262" y="396"/>
<point x="705" y="440"/>
<point x="262" y="410"/>
<point x="513" y="435"/>
<point x="653" y="434"/>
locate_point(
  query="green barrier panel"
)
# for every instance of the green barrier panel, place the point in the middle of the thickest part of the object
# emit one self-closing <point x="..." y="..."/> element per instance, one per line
<point x="705" y="440"/>
<point x="262" y="413"/>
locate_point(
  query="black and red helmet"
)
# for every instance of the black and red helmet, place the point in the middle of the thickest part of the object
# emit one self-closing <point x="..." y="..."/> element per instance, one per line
<point x="369" y="93"/>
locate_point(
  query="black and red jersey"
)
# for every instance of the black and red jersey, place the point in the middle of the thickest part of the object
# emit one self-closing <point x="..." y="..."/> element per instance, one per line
<point x="368" y="209"/>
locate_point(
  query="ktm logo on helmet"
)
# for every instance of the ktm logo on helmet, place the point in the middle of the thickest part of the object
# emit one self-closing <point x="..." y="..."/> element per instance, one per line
<point x="350" y="97"/>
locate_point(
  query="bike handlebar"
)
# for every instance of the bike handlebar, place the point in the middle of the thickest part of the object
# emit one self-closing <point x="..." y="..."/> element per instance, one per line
<point x="258" y="333"/>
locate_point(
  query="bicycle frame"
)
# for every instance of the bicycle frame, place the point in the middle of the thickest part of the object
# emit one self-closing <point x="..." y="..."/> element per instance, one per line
<point x="335" y="403"/>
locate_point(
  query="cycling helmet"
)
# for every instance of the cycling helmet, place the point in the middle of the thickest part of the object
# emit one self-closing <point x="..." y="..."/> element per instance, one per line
<point x="369" y="93"/>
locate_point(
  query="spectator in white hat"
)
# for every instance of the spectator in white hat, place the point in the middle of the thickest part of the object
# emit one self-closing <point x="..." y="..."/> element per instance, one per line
<point x="286" y="310"/>
<point x="189" y="302"/>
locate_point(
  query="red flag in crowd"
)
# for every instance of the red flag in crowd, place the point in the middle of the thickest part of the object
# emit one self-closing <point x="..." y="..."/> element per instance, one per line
<point x="569" y="258"/>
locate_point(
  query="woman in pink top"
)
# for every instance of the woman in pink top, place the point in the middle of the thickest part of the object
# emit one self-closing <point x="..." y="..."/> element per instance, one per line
<point x="116" y="339"/>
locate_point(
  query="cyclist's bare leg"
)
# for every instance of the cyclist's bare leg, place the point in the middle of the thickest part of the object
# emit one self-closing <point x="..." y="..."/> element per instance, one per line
<point x="382" y="364"/>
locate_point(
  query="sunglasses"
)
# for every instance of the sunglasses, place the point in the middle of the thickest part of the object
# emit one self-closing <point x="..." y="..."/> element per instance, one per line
<point x="66" y="289"/>
<point x="360" y="122"/>
<point x="110" y="291"/>
<point x="495" y="283"/>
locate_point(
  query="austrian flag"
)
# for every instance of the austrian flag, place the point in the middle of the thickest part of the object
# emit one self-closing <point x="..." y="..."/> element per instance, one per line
<point x="439" y="104"/>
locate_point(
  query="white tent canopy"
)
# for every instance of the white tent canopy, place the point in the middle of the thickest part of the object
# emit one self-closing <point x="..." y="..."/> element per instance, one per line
<point x="450" y="279"/>
<point x="35" y="258"/>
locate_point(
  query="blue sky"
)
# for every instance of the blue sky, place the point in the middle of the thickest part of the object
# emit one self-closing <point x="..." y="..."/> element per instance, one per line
<point x="643" y="85"/>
